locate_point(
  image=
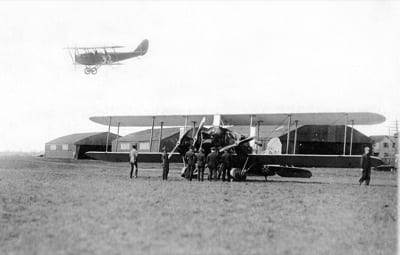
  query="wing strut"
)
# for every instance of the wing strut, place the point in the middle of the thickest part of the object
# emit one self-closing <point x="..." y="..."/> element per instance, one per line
<point x="161" y="127"/>
<point x="288" y="134"/>
<point x="116" y="142"/>
<point x="152" y="133"/>
<point x="108" y="134"/>
<point x="345" y="133"/>
<point x="296" y="122"/>
<point x="351" y="136"/>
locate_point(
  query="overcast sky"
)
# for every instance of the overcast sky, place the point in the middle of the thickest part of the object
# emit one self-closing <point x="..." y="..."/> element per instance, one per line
<point x="213" y="57"/>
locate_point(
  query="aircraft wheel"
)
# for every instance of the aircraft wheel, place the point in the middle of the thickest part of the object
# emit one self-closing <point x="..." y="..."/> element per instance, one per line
<point x="87" y="70"/>
<point x="94" y="70"/>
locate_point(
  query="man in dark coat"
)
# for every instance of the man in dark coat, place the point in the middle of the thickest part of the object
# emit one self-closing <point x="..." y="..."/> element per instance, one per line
<point x="201" y="162"/>
<point x="133" y="159"/>
<point x="212" y="163"/>
<point x="165" y="164"/>
<point x="366" y="167"/>
<point x="190" y="158"/>
<point x="226" y="165"/>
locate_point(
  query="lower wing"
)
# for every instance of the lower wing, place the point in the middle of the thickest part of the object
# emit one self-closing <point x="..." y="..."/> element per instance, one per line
<point x="335" y="161"/>
<point x="146" y="157"/>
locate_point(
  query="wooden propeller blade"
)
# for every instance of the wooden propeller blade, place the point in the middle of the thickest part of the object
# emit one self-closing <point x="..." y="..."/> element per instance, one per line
<point x="198" y="130"/>
<point x="237" y="143"/>
<point x="177" y="144"/>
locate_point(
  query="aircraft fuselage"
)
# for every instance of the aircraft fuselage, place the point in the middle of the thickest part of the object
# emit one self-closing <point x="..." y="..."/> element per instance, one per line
<point x="92" y="59"/>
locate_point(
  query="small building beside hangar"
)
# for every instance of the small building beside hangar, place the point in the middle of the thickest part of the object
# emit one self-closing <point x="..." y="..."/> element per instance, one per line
<point x="384" y="146"/>
<point x="141" y="139"/>
<point x="74" y="146"/>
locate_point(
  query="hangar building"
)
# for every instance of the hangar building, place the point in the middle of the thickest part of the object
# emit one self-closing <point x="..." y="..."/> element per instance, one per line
<point x="74" y="146"/>
<point x="169" y="139"/>
<point x="325" y="140"/>
<point x="311" y="139"/>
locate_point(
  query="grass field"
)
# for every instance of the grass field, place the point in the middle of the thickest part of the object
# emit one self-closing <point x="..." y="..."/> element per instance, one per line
<point x="91" y="207"/>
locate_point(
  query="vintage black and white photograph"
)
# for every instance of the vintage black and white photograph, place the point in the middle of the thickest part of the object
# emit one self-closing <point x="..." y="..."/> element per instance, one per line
<point x="199" y="127"/>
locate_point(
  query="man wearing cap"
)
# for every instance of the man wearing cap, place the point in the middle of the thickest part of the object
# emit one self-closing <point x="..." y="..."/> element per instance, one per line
<point x="201" y="161"/>
<point x="366" y="167"/>
<point x="212" y="163"/>
<point x="190" y="158"/>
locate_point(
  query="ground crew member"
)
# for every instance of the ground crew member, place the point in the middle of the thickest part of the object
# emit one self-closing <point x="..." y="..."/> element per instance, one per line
<point x="226" y="160"/>
<point x="133" y="155"/>
<point x="366" y="167"/>
<point x="165" y="164"/>
<point x="201" y="161"/>
<point x="190" y="158"/>
<point x="212" y="163"/>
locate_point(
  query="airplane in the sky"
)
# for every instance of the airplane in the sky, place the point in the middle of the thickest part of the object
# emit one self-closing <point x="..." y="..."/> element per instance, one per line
<point x="95" y="57"/>
<point x="245" y="162"/>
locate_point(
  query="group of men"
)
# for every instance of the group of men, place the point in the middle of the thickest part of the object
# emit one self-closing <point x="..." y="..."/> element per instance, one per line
<point x="216" y="164"/>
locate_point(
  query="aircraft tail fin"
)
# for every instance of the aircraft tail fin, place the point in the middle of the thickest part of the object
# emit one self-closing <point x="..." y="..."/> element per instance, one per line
<point x="142" y="48"/>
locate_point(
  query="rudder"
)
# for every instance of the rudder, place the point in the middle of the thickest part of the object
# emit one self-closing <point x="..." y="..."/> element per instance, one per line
<point x="142" y="48"/>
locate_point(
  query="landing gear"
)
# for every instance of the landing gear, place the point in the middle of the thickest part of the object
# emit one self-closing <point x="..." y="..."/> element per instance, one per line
<point x="237" y="175"/>
<point x="90" y="70"/>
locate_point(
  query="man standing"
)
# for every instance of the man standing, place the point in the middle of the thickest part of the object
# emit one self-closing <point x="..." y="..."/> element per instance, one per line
<point x="190" y="158"/>
<point x="226" y="165"/>
<point x="366" y="167"/>
<point x="133" y="155"/>
<point x="212" y="163"/>
<point x="201" y="161"/>
<point x="165" y="164"/>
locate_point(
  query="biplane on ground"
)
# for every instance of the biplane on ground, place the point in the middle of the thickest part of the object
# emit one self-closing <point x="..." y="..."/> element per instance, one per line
<point x="95" y="57"/>
<point x="245" y="162"/>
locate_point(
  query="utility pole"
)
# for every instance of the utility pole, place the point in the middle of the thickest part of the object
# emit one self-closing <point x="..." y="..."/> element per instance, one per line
<point x="397" y="139"/>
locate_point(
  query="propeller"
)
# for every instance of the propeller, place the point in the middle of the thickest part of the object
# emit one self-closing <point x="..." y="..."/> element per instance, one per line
<point x="203" y="120"/>
<point x="237" y="143"/>
<point x="178" y="143"/>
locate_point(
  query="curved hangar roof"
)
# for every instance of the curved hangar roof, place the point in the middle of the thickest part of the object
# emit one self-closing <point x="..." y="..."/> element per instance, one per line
<point x="93" y="138"/>
<point x="331" y="118"/>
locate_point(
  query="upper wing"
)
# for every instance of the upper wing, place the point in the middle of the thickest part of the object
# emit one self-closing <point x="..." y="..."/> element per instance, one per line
<point x="265" y="119"/>
<point x="95" y="47"/>
<point x="147" y="120"/>
<point x="317" y="118"/>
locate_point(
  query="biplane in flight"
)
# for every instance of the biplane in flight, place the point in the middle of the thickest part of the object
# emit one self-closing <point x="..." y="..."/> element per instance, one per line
<point x="213" y="131"/>
<point x="95" y="57"/>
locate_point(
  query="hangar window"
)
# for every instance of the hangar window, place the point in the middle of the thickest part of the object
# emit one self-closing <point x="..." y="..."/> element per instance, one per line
<point x="144" y="146"/>
<point x="386" y="155"/>
<point x="385" y="145"/>
<point x="64" y="147"/>
<point x="53" y="147"/>
<point x="125" y="146"/>
<point x="394" y="145"/>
